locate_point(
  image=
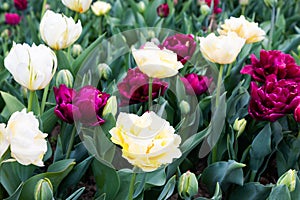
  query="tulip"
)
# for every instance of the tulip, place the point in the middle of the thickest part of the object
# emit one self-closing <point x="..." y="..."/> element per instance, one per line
<point x="216" y="4"/>
<point x="272" y="62"/>
<point x="5" y="6"/>
<point x="195" y="84"/>
<point x="183" y="45"/>
<point x="89" y="103"/>
<point x="141" y="7"/>
<point x="27" y="142"/>
<point x="32" y="67"/>
<point x="59" y="31"/>
<point x="43" y="190"/>
<point x="21" y="4"/>
<point x="185" y="107"/>
<point x="163" y="10"/>
<point x="187" y="185"/>
<point x="297" y="114"/>
<point x="76" y="50"/>
<point x="239" y="126"/>
<point x="111" y="106"/>
<point x="156" y="62"/>
<point x="104" y="71"/>
<point x="12" y="18"/>
<point x="244" y="2"/>
<point x="64" y="108"/>
<point x="205" y="9"/>
<point x="243" y="28"/>
<point x="65" y="77"/>
<point x="274" y="99"/>
<point x="79" y="6"/>
<point x="134" y="87"/>
<point x="147" y="141"/>
<point x="4" y="143"/>
<point x="288" y="179"/>
<point x="100" y="8"/>
<point x="222" y="49"/>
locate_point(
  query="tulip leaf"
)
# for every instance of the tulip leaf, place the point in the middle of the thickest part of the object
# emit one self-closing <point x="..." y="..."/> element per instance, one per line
<point x="150" y="13"/>
<point x="48" y="120"/>
<point x="56" y="173"/>
<point x="12" y="174"/>
<point x="251" y="191"/>
<point x="226" y="173"/>
<point x="107" y="180"/>
<point x="168" y="188"/>
<point x="16" y="194"/>
<point x="76" y="194"/>
<point x="12" y="104"/>
<point x="76" y="174"/>
<point x="280" y="192"/>
<point x="217" y="194"/>
<point x="63" y="61"/>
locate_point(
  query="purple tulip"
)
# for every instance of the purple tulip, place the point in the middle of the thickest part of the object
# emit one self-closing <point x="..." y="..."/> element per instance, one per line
<point x="21" y="4"/>
<point x="272" y="62"/>
<point x="89" y="103"/>
<point x="64" y="108"/>
<point x="183" y="45"/>
<point x="12" y="18"/>
<point x="134" y="87"/>
<point x="297" y="113"/>
<point x="163" y="10"/>
<point x="274" y="99"/>
<point x="196" y="84"/>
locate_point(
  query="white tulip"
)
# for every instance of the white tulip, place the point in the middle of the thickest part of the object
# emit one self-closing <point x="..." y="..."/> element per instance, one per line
<point x="156" y="62"/>
<point x="147" y="141"/>
<point x="100" y="8"/>
<point x="80" y="6"/>
<point x="3" y="140"/>
<point x="32" y="67"/>
<point x="59" y="31"/>
<point x="27" y="142"/>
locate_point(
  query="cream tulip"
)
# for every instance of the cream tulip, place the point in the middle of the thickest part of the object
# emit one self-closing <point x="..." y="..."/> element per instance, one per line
<point x="3" y="140"/>
<point x="147" y="142"/>
<point x="59" y="31"/>
<point x="222" y="49"/>
<point x="243" y="28"/>
<point x="156" y="62"/>
<point x="32" y="67"/>
<point x="100" y="8"/>
<point x="80" y="6"/>
<point x="27" y="142"/>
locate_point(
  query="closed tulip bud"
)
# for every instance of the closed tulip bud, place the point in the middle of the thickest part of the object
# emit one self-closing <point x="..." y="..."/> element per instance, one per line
<point x="141" y="7"/>
<point x="244" y="2"/>
<point x="184" y="107"/>
<point x="111" y="106"/>
<point x="64" y="77"/>
<point x="5" y="6"/>
<point x="288" y="179"/>
<point x="298" y="48"/>
<point x="76" y="50"/>
<point x="239" y="126"/>
<point x="104" y="71"/>
<point x="43" y="190"/>
<point x="187" y="185"/>
<point x="205" y="9"/>
<point x="5" y="34"/>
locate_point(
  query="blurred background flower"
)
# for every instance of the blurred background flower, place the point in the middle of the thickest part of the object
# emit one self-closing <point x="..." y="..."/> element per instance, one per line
<point x="163" y="10"/>
<point x="12" y="18"/>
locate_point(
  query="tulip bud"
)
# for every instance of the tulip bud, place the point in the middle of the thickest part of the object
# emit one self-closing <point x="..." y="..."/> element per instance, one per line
<point x="111" y="106"/>
<point x="43" y="190"/>
<point x="244" y="2"/>
<point x="298" y="48"/>
<point x="239" y="126"/>
<point x="187" y="185"/>
<point x="271" y="3"/>
<point x="141" y="7"/>
<point x="5" y="34"/>
<point x="184" y="107"/>
<point x="288" y="179"/>
<point x="104" y="71"/>
<point x="151" y="34"/>
<point x="64" y="76"/>
<point x="205" y="9"/>
<point x="76" y="50"/>
<point x="5" y="6"/>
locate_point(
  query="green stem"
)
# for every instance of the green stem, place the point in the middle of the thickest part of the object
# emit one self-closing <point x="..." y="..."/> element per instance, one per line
<point x="131" y="186"/>
<point x="150" y="94"/>
<point x="76" y="16"/>
<point x="219" y="85"/>
<point x="44" y="99"/>
<point x="272" y="27"/>
<point x="71" y="143"/>
<point x="243" y="10"/>
<point x="252" y="176"/>
<point x="229" y="69"/>
<point x="30" y="100"/>
<point x="100" y="24"/>
<point x="43" y="8"/>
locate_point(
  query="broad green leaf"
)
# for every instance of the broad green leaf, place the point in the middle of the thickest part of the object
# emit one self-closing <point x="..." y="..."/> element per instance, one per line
<point x="168" y="188"/>
<point x="280" y="192"/>
<point x="12" y="104"/>
<point x="251" y="191"/>
<point x="49" y="120"/>
<point x="76" y="194"/>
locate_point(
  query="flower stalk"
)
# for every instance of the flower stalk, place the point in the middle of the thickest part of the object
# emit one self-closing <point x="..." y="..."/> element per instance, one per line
<point x="71" y="143"/>
<point x="44" y="99"/>
<point x="131" y="186"/>
<point x="150" y="93"/>
<point x="30" y="100"/>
